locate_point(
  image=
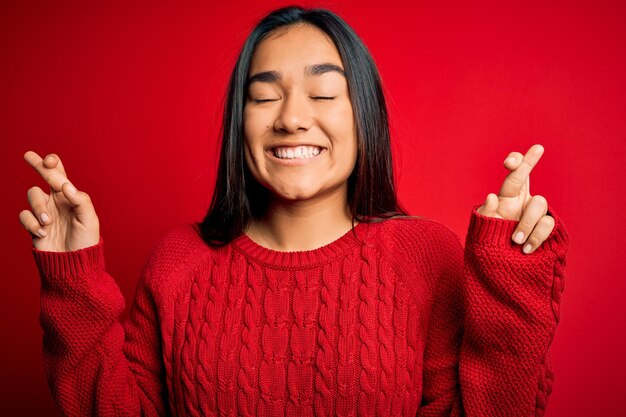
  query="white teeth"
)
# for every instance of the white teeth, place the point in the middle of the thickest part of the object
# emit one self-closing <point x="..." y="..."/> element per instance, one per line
<point x="298" y="152"/>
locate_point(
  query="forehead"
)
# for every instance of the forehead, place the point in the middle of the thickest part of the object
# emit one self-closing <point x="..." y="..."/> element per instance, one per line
<point x="292" y="48"/>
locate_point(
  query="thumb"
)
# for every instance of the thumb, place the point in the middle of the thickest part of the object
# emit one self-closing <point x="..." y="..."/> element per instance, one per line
<point x="490" y="206"/>
<point x="80" y="201"/>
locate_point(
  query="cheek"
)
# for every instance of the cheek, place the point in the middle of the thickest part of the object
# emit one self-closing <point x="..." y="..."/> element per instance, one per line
<point x="341" y="124"/>
<point x="255" y="127"/>
<point x="255" y="118"/>
<point x="341" y="119"/>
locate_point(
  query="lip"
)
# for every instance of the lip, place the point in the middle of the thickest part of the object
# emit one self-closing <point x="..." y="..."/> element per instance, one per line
<point x="295" y="161"/>
<point x="293" y="144"/>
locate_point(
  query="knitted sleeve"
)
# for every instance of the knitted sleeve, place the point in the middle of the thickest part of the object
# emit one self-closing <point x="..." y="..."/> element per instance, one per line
<point x="494" y="317"/>
<point x="512" y="304"/>
<point x="94" y="364"/>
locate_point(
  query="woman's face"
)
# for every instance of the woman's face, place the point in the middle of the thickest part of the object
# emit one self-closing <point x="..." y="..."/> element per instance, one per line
<point x="300" y="139"/>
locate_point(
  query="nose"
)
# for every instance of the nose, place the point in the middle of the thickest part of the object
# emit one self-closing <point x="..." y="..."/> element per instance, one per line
<point x="294" y="114"/>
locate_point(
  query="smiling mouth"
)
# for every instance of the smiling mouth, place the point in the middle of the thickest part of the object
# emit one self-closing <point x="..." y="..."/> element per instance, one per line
<point x="296" y="152"/>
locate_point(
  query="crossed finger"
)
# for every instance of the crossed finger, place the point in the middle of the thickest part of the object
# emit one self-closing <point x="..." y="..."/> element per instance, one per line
<point x="51" y="169"/>
<point x="514" y="182"/>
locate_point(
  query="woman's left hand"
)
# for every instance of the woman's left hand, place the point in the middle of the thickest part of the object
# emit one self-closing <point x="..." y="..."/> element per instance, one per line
<point x="514" y="201"/>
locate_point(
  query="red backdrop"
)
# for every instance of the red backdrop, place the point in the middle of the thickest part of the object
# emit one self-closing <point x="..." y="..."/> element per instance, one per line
<point x="129" y="95"/>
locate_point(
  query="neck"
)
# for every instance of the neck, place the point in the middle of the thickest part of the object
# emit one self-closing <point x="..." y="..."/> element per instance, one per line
<point x="304" y="224"/>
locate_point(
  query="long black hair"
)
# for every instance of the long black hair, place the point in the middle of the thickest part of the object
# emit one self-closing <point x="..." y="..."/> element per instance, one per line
<point x="238" y="197"/>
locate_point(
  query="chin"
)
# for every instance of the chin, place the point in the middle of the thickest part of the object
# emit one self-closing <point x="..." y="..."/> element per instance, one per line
<point x="295" y="193"/>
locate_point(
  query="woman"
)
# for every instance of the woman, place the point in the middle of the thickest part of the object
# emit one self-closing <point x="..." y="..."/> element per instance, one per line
<point x="306" y="290"/>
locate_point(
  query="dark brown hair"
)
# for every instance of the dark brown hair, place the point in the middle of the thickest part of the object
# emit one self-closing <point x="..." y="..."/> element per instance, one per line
<point x="238" y="197"/>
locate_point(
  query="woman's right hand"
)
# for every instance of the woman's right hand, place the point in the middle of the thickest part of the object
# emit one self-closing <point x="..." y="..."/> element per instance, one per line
<point x="64" y="220"/>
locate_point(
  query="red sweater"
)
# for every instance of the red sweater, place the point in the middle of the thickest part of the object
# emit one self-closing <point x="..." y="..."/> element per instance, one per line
<point x="397" y="320"/>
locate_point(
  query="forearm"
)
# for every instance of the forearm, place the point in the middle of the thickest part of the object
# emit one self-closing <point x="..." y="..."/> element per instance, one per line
<point x="84" y="342"/>
<point x="511" y="313"/>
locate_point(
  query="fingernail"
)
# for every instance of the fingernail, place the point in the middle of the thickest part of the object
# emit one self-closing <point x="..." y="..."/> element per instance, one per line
<point x="527" y="248"/>
<point x="509" y="160"/>
<point x="71" y="188"/>
<point x="42" y="232"/>
<point x="44" y="217"/>
<point x="519" y="237"/>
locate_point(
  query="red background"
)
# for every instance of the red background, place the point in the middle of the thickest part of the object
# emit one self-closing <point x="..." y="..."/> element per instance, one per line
<point x="130" y="94"/>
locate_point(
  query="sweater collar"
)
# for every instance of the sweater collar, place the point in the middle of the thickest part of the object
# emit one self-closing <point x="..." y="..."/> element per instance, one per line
<point x="294" y="259"/>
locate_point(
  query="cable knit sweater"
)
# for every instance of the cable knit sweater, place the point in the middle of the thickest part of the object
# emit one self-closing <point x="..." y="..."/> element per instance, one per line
<point x="392" y="319"/>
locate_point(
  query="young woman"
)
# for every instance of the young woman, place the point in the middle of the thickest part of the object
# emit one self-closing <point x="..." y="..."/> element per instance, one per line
<point x="306" y="290"/>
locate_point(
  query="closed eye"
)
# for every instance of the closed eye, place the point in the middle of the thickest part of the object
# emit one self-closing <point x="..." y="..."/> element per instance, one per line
<point x="314" y="98"/>
<point x="264" y="100"/>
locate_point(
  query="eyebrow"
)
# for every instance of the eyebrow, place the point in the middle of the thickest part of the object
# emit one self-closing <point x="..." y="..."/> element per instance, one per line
<point x="309" y="70"/>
